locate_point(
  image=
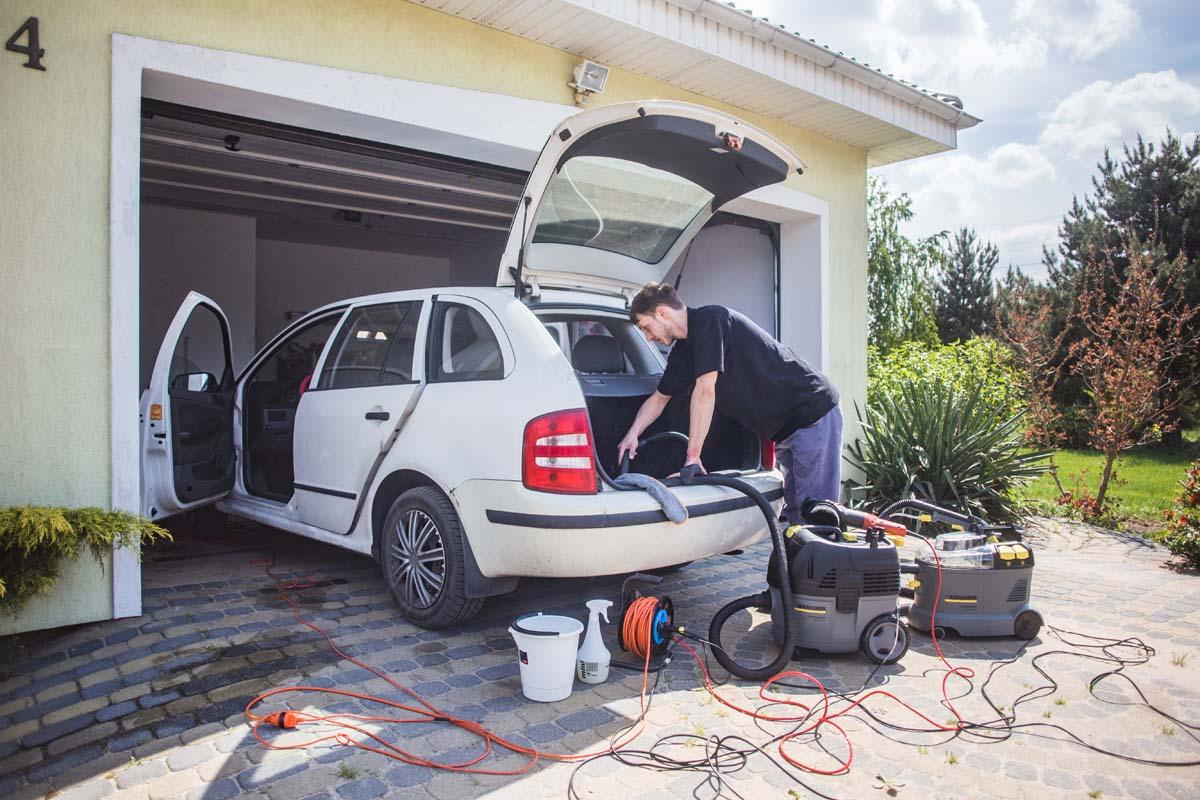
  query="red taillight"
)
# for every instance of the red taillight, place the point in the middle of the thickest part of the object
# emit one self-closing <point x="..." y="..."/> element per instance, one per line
<point x="557" y="454"/>
<point x="767" y="454"/>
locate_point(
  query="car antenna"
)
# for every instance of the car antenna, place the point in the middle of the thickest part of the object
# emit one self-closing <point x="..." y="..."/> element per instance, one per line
<point x="519" y="284"/>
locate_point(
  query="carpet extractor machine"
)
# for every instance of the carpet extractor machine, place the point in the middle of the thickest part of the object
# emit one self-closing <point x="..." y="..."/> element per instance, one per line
<point x="834" y="583"/>
<point x="986" y="576"/>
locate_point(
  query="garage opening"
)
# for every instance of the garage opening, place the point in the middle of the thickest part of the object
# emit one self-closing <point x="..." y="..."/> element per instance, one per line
<point x="272" y="221"/>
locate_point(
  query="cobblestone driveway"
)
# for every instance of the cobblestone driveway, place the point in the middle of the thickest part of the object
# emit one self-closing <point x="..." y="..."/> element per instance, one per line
<point x="152" y="707"/>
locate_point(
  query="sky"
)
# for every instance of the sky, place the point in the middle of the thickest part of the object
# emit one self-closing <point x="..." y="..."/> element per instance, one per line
<point x="1055" y="82"/>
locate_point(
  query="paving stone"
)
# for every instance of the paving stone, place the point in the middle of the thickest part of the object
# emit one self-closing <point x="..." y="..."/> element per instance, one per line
<point x="49" y="733"/>
<point x="1059" y="778"/>
<point x="86" y="736"/>
<point x="101" y="689"/>
<point x="88" y="791"/>
<point x="224" y="789"/>
<point x="44" y="770"/>
<point x="588" y="719"/>
<point x="173" y="784"/>
<point x="223" y="766"/>
<point x="500" y="671"/>
<point x="363" y="789"/>
<point x="75" y="710"/>
<point x="408" y="775"/>
<point x="129" y="740"/>
<point x="268" y="772"/>
<point x="115" y="711"/>
<point x="140" y="774"/>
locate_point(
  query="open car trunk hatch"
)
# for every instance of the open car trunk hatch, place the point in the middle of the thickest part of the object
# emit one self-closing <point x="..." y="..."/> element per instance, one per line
<point x="619" y="192"/>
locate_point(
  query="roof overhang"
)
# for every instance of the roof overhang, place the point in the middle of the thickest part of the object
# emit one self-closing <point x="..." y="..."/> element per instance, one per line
<point x="716" y="50"/>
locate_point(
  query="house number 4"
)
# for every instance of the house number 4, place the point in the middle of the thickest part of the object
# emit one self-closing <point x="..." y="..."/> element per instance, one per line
<point x="32" y="52"/>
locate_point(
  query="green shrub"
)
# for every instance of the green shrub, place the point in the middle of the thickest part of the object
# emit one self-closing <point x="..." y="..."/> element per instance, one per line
<point x="980" y="365"/>
<point x="956" y="447"/>
<point x="36" y="540"/>
<point x="1183" y="521"/>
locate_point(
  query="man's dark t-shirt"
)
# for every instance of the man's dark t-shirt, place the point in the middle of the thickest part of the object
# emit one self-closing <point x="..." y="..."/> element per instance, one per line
<point x="762" y="384"/>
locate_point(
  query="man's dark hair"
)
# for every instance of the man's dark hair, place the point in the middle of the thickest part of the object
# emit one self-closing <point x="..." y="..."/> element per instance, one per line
<point x="650" y="297"/>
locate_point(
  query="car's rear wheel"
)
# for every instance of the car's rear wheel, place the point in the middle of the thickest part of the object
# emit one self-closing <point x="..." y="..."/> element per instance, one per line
<point x="423" y="563"/>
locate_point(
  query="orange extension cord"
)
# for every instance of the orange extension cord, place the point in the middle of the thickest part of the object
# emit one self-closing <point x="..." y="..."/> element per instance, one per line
<point x="636" y="631"/>
<point x="636" y="634"/>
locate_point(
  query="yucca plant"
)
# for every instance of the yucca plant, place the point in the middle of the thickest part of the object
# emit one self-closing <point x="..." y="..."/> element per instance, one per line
<point x="946" y="445"/>
<point x="35" y="541"/>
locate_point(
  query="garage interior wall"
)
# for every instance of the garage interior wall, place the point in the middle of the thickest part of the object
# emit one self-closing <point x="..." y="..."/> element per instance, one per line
<point x="730" y="265"/>
<point x="259" y="283"/>
<point x="57" y="276"/>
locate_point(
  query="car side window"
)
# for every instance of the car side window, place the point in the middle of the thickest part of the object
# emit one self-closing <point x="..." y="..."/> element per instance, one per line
<point x="199" y="361"/>
<point x="464" y="347"/>
<point x="374" y="346"/>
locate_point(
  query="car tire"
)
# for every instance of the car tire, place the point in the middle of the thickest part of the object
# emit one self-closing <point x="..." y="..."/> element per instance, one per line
<point x="422" y="528"/>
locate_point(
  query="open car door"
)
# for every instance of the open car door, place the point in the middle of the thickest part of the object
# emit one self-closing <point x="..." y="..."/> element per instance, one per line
<point x="187" y="413"/>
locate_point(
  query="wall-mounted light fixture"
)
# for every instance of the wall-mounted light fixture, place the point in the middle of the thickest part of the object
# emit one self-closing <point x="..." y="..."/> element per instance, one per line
<point x="590" y="78"/>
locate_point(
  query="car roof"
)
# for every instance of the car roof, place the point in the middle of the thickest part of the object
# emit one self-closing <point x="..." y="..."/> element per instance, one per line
<point x="548" y="297"/>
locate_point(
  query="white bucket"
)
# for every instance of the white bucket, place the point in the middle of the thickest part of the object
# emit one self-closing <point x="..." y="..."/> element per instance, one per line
<point x="546" y="647"/>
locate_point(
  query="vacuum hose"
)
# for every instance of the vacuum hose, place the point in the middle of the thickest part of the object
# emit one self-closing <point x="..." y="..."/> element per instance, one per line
<point x="690" y="475"/>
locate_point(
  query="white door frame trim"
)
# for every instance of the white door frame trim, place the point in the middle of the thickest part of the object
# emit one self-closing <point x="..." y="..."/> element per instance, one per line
<point x="487" y="127"/>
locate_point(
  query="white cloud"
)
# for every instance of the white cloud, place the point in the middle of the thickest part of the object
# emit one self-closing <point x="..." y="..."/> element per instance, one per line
<point x="1021" y="245"/>
<point x="948" y="190"/>
<point x="1103" y="114"/>
<point x="1084" y="32"/>
<point x="940" y="44"/>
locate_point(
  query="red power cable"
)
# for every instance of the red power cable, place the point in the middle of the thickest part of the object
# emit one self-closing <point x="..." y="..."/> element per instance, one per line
<point x="827" y="717"/>
<point x="636" y="633"/>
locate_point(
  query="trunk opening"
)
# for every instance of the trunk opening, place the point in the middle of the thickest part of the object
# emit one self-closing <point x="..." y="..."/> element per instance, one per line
<point x="617" y="370"/>
<point x="613" y="405"/>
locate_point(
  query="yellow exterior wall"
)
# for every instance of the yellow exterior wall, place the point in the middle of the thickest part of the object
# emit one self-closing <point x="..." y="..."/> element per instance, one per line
<point x="54" y="300"/>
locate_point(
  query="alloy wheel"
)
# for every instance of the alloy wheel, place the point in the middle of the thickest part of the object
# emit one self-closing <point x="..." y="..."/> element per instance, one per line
<point x="418" y="559"/>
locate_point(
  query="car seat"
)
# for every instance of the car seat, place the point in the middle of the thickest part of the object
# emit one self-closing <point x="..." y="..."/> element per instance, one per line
<point x="598" y="354"/>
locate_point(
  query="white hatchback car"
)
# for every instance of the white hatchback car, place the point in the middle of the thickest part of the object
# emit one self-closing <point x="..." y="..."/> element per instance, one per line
<point x="465" y="437"/>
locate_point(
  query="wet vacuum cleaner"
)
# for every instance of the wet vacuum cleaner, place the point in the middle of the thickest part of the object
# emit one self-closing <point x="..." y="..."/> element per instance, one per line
<point x="985" y="586"/>
<point x="845" y="589"/>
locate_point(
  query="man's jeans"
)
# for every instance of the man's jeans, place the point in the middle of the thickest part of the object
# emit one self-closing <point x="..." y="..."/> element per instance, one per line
<point x="811" y="460"/>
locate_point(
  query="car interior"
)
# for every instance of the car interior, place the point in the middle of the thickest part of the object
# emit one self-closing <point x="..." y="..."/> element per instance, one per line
<point x="270" y="398"/>
<point x="617" y="370"/>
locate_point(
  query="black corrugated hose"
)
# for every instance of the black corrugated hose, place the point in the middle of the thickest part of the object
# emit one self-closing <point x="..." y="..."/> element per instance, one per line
<point x="691" y="475"/>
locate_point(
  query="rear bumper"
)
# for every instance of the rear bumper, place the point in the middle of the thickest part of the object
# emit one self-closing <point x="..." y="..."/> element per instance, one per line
<point x="517" y="532"/>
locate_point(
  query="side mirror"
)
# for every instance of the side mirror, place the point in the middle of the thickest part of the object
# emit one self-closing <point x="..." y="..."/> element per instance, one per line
<point x="194" y="382"/>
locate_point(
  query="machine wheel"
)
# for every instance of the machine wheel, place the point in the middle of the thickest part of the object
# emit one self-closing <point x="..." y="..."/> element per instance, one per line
<point x="423" y="562"/>
<point x="885" y="639"/>
<point x="1027" y="624"/>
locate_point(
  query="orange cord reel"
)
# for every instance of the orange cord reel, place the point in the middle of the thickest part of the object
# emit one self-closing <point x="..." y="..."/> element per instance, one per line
<point x="646" y="621"/>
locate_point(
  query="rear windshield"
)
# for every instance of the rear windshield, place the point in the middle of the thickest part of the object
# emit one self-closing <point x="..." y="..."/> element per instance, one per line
<point x="602" y="345"/>
<point x="620" y="206"/>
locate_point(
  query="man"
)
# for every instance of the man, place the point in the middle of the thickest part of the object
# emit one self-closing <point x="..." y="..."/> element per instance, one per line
<point x="730" y="363"/>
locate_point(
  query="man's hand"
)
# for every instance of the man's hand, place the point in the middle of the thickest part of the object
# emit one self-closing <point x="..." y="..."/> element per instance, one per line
<point x="696" y="461"/>
<point x="630" y="443"/>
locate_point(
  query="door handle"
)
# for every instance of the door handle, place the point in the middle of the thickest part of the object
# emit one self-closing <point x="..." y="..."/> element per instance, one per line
<point x="381" y="416"/>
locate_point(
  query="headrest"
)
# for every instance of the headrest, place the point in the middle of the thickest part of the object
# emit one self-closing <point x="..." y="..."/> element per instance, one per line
<point x="595" y="353"/>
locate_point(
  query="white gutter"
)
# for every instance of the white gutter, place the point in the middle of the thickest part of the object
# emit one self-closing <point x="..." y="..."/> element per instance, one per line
<point x="759" y="28"/>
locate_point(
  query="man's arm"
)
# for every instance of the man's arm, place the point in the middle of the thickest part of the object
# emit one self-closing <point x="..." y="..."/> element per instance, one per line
<point x="651" y="408"/>
<point x="703" y="399"/>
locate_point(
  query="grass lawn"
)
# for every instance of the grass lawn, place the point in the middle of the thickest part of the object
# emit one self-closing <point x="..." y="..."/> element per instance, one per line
<point x="1148" y="478"/>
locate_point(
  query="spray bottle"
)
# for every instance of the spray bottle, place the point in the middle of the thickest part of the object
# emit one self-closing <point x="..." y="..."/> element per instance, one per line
<point x="592" y="662"/>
